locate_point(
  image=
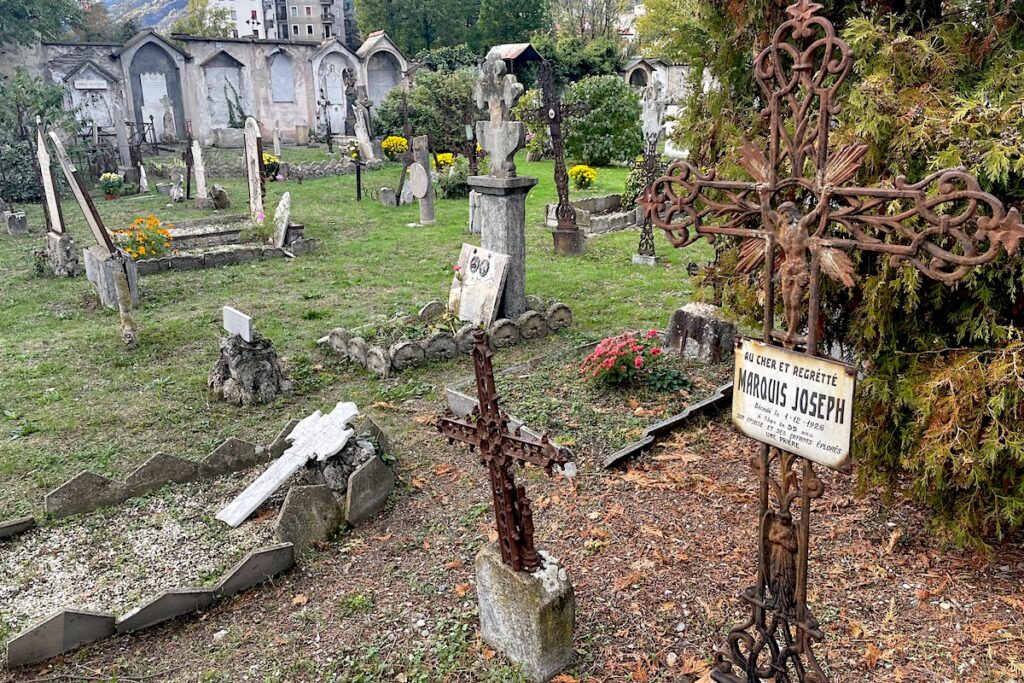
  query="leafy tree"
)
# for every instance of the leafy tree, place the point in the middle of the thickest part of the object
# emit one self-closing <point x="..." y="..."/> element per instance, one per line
<point x="98" y="27"/>
<point x="202" y="19"/>
<point x="417" y="25"/>
<point x="608" y="129"/>
<point x="588" y="19"/>
<point x="23" y="97"/>
<point x="503" y="22"/>
<point x="440" y="105"/>
<point x="448" y="58"/>
<point x="575" y="58"/>
<point x="939" y="412"/>
<point x="26" y="21"/>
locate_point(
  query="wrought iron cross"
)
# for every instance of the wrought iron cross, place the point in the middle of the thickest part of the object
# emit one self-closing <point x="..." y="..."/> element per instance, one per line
<point x="554" y="112"/>
<point x="653" y="113"/>
<point x="500" y="448"/>
<point x="799" y="218"/>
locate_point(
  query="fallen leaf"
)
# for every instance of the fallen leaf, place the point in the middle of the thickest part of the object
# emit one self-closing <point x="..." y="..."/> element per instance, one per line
<point x="424" y="419"/>
<point x="443" y="468"/>
<point x="872" y="655"/>
<point x="417" y="483"/>
<point x="693" y="665"/>
<point x="299" y="600"/>
<point x="384" y="405"/>
<point x="564" y="678"/>
<point x="454" y="564"/>
<point x="627" y="581"/>
<point x="461" y="589"/>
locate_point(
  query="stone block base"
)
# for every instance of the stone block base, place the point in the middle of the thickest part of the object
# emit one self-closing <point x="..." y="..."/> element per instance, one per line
<point x="643" y="260"/>
<point x="697" y="331"/>
<point x="202" y="203"/>
<point x="17" y="223"/>
<point x="527" y="617"/>
<point x="60" y="251"/>
<point x="101" y="269"/>
<point x="568" y="242"/>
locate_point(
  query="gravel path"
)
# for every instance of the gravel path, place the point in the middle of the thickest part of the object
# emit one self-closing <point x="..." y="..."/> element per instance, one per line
<point x="114" y="559"/>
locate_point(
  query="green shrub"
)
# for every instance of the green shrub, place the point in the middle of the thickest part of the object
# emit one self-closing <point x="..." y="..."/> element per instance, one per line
<point x="538" y="139"/>
<point x="18" y="180"/>
<point x="440" y="105"/>
<point x="636" y="181"/>
<point x="608" y="129"/>
<point x="448" y="58"/>
<point x="453" y="179"/>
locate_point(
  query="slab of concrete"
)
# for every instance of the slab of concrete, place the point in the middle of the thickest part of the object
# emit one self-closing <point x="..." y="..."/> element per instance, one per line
<point x="168" y="605"/>
<point x="310" y="515"/>
<point x="60" y="632"/>
<point x="255" y="568"/>
<point x="368" y="490"/>
<point x="86" y="492"/>
<point x="159" y="470"/>
<point x="231" y="456"/>
<point x="12" y="527"/>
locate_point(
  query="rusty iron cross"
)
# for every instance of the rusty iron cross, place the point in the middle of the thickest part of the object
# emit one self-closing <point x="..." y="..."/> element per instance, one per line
<point x="500" y="448"/>
<point x="798" y="218"/>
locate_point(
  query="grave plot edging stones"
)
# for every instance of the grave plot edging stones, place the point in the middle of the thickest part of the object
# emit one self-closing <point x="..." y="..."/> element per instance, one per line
<point x="64" y="630"/>
<point x="12" y="527"/>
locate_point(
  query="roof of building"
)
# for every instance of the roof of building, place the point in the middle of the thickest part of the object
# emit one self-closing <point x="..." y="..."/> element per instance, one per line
<point x="517" y="52"/>
<point x="143" y="35"/>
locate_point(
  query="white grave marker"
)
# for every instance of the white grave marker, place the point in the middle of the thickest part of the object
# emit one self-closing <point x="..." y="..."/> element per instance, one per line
<point x="318" y="436"/>
<point x="478" y="284"/>
<point x="236" y="322"/>
<point x="795" y="402"/>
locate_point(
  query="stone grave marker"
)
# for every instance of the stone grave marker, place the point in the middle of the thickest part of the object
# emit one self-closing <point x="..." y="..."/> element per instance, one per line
<point x="424" y="189"/>
<point x="254" y="168"/>
<point x="317" y="436"/>
<point x="51" y="202"/>
<point x="478" y="284"/>
<point x="143" y="179"/>
<point x="498" y="91"/>
<point x="202" y="200"/>
<point x="282" y="218"/>
<point x="277" y="139"/>
<point x="236" y="322"/>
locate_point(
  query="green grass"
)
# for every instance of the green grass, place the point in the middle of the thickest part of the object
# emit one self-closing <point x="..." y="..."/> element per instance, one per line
<point x="72" y="397"/>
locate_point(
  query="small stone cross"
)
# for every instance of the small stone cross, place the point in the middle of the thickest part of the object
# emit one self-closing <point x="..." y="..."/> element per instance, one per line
<point x="498" y="91"/>
<point x="500" y="448"/>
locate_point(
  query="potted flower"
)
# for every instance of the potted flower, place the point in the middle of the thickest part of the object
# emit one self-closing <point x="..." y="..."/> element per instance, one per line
<point x="111" y="184"/>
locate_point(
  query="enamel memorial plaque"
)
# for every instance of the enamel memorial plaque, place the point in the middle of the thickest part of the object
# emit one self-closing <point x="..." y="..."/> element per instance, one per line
<point x="799" y="403"/>
<point x="478" y="284"/>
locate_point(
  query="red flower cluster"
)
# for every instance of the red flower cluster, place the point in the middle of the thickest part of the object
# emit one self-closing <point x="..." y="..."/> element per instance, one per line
<point x="622" y="359"/>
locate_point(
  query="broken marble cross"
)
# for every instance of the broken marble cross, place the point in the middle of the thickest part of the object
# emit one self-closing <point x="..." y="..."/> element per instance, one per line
<point x="498" y="91"/>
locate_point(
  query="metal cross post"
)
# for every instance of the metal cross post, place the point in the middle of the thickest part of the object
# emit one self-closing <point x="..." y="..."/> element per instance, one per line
<point x="799" y="218"/>
<point x="650" y="169"/>
<point x="500" y="448"/>
<point x="568" y="239"/>
<point x="406" y="126"/>
<point x="189" y="160"/>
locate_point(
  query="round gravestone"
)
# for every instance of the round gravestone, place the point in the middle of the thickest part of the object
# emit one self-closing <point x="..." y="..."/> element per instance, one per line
<point x="357" y="350"/>
<point x="441" y="347"/>
<point x="559" y="317"/>
<point x="419" y="181"/>
<point x="407" y="354"/>
<point x="378" y="362"/>
<point x="464" y="338"/>
<point x="503" y="333"/>
<point x="532" y="325"/>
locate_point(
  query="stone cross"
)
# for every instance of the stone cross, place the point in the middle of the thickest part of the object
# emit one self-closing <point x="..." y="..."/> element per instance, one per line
<point x="121" y="132"/>
<point x="51" y="203"/>
<point x="421" y="154"/>
<point x="254" y="168"/>
<point x="653" y="110"/>
<point x="798" y="217"/>
<point x="500" y="448"/>
<point x="282" y="219"/>
<point x="498" y="91"/>
<point x="199" y="166"/>
<point x="277" y="140"/>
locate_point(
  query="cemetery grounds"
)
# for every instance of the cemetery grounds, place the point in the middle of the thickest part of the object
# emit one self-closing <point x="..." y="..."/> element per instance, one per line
<point x="657" y="550"/>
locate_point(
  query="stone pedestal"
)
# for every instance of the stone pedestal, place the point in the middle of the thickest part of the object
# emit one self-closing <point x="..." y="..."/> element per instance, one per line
<point x="528" y="617"/>
<point x="474" y="212"/>
<point x="568" y="242"/>
<point x="644" y="260"/>
<point x="248" y="372"/>
<point x="60" y="250"/>
<point x="301" y="135"/>
<point x="503" y="229"/>
<point x="101" y="269"/>
<point x="697" y="331"/>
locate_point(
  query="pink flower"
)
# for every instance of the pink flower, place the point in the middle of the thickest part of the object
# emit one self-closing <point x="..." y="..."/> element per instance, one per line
<point x="636" y="347"/>
<point x="279" y="177"/>
<point x="457" y="268"/>
<point x="639" y="361"/>
<point x="656" y="351"/>
<point x="260" y="217"/>
<point x="651" y="334"/>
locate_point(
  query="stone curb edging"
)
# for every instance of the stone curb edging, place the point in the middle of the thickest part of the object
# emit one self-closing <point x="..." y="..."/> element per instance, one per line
<point x="12" y="527"/>
<point x="441" y="346"/>
<point x="223" y="257"/>
<point x="69" y="629"/>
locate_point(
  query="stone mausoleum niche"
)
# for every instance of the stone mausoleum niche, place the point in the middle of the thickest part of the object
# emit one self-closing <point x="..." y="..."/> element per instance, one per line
<point x="383" y="72"/>
<point x="332" y="82"/>
<point x="91" y="92"/>
<point x="156" y="88"/>
<point x="223" y="75"/>
<point x="282" y="77"/>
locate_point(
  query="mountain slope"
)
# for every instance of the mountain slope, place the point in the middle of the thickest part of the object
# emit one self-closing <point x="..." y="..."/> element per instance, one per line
<point x="159" y="14"/>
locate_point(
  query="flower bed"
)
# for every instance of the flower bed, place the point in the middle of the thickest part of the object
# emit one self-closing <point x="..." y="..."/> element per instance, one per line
<point x="434" y="335"/>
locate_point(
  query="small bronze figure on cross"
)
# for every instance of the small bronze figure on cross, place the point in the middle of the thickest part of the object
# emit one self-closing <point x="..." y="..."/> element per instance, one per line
<point x="500" y="448"/>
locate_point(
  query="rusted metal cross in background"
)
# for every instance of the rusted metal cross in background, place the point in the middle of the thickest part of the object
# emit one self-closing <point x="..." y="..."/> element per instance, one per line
<point x="798" y="219"/>
<point x="500" y="448"/>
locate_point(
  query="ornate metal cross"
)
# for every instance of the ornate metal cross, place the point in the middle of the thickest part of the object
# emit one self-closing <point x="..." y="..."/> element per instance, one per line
<point x="500" y="448"/>
<point x="653" y="112"/>
<point x="497" y="91"/>
<point x="799" y="218"/>
<point x="552" y="111"/>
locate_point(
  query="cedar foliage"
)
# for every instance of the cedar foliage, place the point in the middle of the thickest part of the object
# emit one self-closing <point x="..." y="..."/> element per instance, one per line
<point x="941" y="408"/>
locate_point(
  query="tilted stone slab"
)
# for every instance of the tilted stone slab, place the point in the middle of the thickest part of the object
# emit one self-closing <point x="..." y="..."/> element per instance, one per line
<point x="373" y="429"/>
<point x="159" y="470"/>
<point x="280" y="443"/>
<point x="168" y="605"/>
<point x="13" y="527"/>
<point x="86" y="492"/>
<point x="368" y="490"/>
<point x="258" y="566"/>
<point x="60" y="632"/>
<point x="231" y="456"/>
<point x="310" y="515"/>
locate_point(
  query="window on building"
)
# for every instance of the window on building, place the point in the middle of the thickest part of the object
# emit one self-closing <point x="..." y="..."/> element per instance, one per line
<point x="309" y="29"/>
<point x="234" y="15"/>
<point x="295" y="10"/>
<point x="295" y="29"/>
<point x="309" y="11"/>
<point x="327" y="31"/>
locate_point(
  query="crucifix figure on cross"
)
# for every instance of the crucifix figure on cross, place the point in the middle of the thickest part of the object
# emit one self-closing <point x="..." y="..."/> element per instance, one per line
<point x="500" y="448"/>
<point x="497" y="91"/>
<point x="799" y="218"/>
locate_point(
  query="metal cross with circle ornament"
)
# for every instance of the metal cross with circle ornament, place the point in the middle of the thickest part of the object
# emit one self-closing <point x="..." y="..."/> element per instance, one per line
<point x="500" y="448"/>
<point x="798" y="218"/>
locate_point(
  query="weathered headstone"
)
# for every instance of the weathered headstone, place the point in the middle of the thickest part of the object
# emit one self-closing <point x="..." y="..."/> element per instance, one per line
<point x="503" y="195"/>
<point x="363" y="125"/>
<point x="143" y="179"/>
<point x="236" y="322"/>
<point x="178" y="189"/>
<point x="388" y="197"/>
<point x="277" y="140"/>
<point x="478" y="284"/>
<point x="282" y="218"/>
<point x="254" y="168"/>
<point x="17" y="223"/>
<point x="474" y="213"/>
<point x="124" y="151"/>
<point x="419" y="183"/>
<point x="317" y="437"/>
<point x="51" y="202"/>
<point x="248" y="372"/>
<point x="202" y="200"/>
<point x="220" y="198"/>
